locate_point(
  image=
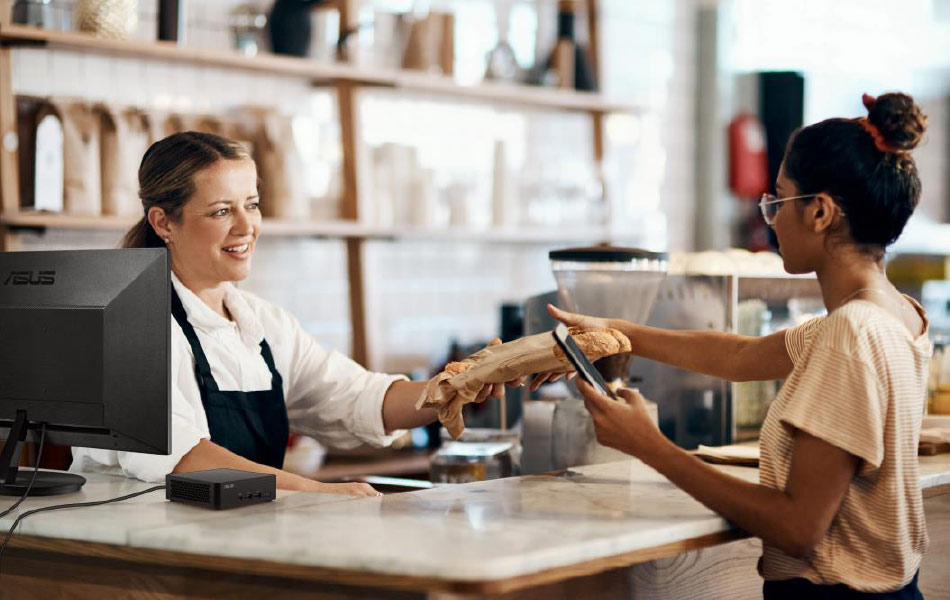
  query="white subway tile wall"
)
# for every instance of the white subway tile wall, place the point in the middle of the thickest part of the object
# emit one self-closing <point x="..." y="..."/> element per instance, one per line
<point x="305" y="276"/>
<point x="420" y="295"/>
<point x="649" y="57"/>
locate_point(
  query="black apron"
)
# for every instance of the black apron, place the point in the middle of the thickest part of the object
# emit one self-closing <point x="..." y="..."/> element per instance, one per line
<point x="250" y="424"/>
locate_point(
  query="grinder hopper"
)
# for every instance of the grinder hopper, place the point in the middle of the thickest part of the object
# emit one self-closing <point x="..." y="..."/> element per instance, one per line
<point x="607" y="281"/>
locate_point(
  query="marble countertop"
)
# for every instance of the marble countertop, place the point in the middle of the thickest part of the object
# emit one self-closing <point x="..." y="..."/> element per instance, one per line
<point x="481" y="531"/>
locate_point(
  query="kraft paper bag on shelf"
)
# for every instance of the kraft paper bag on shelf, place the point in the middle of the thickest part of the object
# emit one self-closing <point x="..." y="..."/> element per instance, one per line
<point x="208" y="124"/>
<point x="82" y="194"/>
<point x="431" y="44"/>
<point x="461" y="382"/>
<point x="279" y="167"/>
<point x="125" y="138"/>
<point x="162" y="124"/>
<point x="159" y="126"/>
<point x="177" y="122"/>
<point x="422" y="48"/>
<point x="243" y="129"/>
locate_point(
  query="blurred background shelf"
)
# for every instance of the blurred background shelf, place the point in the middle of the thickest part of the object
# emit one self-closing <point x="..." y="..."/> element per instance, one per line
<point x="319" y="72"/>
<point x="332" y="229"/>
<point x="337" y="98"/>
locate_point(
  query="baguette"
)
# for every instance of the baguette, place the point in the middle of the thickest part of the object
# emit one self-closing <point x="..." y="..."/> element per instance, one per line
<point x="460" y="382"/>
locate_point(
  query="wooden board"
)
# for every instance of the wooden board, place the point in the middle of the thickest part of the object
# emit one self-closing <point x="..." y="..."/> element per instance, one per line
<point x="932" y="448"/>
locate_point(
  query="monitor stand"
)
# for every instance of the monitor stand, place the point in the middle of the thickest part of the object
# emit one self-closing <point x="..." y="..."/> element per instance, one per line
<point x="14" y="482"/>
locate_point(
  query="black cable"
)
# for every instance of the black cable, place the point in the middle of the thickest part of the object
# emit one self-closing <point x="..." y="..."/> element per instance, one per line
<point x="39" y="455"/>
<point x="6" y="540"/>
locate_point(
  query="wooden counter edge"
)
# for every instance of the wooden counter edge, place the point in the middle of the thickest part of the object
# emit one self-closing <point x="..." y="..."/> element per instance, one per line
<point x="937" y="490"/>
<point x="36" y="547"/>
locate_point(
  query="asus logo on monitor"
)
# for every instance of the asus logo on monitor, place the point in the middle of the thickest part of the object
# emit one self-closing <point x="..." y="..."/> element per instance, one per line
<point x="30" y="278"/>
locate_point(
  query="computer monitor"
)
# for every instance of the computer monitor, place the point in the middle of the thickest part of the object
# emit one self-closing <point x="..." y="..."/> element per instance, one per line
<point x="85" y="350"/>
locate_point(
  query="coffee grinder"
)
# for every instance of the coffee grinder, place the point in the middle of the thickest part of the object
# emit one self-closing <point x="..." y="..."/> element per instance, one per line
<point x="601" y="281"/>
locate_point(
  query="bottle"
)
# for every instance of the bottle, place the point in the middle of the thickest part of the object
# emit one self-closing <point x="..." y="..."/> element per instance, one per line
<point x="567" y="65"/>
<point x="171" y="20"/>
<point x="501" y="63"/>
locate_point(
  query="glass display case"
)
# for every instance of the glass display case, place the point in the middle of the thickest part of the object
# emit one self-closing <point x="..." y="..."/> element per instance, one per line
<point x="698" y="409"/>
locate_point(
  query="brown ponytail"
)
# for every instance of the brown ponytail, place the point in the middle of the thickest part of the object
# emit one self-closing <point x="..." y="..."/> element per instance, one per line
<point x="166" y="177"/>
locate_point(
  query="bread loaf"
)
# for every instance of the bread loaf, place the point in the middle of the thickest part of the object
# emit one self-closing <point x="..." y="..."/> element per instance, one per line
<point x="461" y="382"/>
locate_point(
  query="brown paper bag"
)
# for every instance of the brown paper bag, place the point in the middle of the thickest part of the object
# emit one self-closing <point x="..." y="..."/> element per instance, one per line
<point x="208" y="124"/>
<point x="243" y="128"/>
<point x="162" y="124"/>
<point x="279" y="167"/>
<point x="158" y="125"/>
<point x="461" y="382"/>
<point x="176" y="122"/>
<point x="125" y="138"/>
<point x="431" y="44"/>
<point x="81" y="140"/>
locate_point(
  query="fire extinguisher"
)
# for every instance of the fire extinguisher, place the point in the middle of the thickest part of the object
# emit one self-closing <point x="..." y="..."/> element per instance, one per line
<point x="748" y="158"/>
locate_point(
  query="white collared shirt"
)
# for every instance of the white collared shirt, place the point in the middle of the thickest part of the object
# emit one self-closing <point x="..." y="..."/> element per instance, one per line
<point x="329" y="397"/>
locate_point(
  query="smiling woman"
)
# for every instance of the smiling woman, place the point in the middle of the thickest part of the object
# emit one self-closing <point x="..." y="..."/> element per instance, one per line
<point x="244" y="372"/>
<point x="214" y="237"/>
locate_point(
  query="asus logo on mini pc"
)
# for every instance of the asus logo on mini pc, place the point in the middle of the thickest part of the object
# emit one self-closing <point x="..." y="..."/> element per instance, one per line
<point x="30" y="278"/>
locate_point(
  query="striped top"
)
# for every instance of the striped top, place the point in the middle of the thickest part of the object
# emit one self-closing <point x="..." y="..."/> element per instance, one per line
<point x="859" y="382"/>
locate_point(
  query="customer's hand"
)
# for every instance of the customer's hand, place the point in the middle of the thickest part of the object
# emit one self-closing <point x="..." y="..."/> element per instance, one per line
<point x="361" y="490"/>
<point x="496" y="390"/>
<point x="624" y="424"/>
<point x="571" y="320"/>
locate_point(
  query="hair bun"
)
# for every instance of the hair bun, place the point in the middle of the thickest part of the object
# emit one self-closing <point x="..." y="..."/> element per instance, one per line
<point x="898" y="118"/>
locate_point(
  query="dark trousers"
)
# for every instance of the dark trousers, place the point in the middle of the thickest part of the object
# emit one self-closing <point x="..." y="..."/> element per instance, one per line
<point x="794" y="589"/>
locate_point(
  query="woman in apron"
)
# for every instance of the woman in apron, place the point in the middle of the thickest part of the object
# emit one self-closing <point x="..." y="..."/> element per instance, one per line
<point x="838" y="506"/>
<point x="244" y="372"/>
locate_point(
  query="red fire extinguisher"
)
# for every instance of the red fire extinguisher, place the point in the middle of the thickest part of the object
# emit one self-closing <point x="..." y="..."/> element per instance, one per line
<point x="748" y="159"/>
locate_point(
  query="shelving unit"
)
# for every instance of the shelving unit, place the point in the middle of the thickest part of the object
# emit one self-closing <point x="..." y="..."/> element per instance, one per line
<point x="319" y="73"/>
<point x="39" y="222"/>
<point x="346" y="78"/>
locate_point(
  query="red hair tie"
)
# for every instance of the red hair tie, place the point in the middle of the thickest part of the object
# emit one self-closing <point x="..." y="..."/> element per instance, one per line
<point x="879" y="142"/>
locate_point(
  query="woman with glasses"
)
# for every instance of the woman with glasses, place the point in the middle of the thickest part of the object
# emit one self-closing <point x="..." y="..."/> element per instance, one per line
<point x="838" y="505"/>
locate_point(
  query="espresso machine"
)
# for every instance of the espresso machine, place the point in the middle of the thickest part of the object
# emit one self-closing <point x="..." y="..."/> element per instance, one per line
<point x="599" y="281"/>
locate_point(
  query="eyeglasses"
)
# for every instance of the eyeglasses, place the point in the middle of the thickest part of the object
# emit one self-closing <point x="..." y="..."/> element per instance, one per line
<point x="769" y="205"/>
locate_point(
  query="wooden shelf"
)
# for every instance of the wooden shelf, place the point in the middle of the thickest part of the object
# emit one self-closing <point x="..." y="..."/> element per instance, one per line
<point x="29" y="220"/>
<point x="333" y="229"/>
<point x="320" y="73"/>
<point x="523" y="235"/>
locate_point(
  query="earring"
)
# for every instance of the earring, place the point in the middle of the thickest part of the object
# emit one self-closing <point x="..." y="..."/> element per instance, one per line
<point x="166" y="241"/>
